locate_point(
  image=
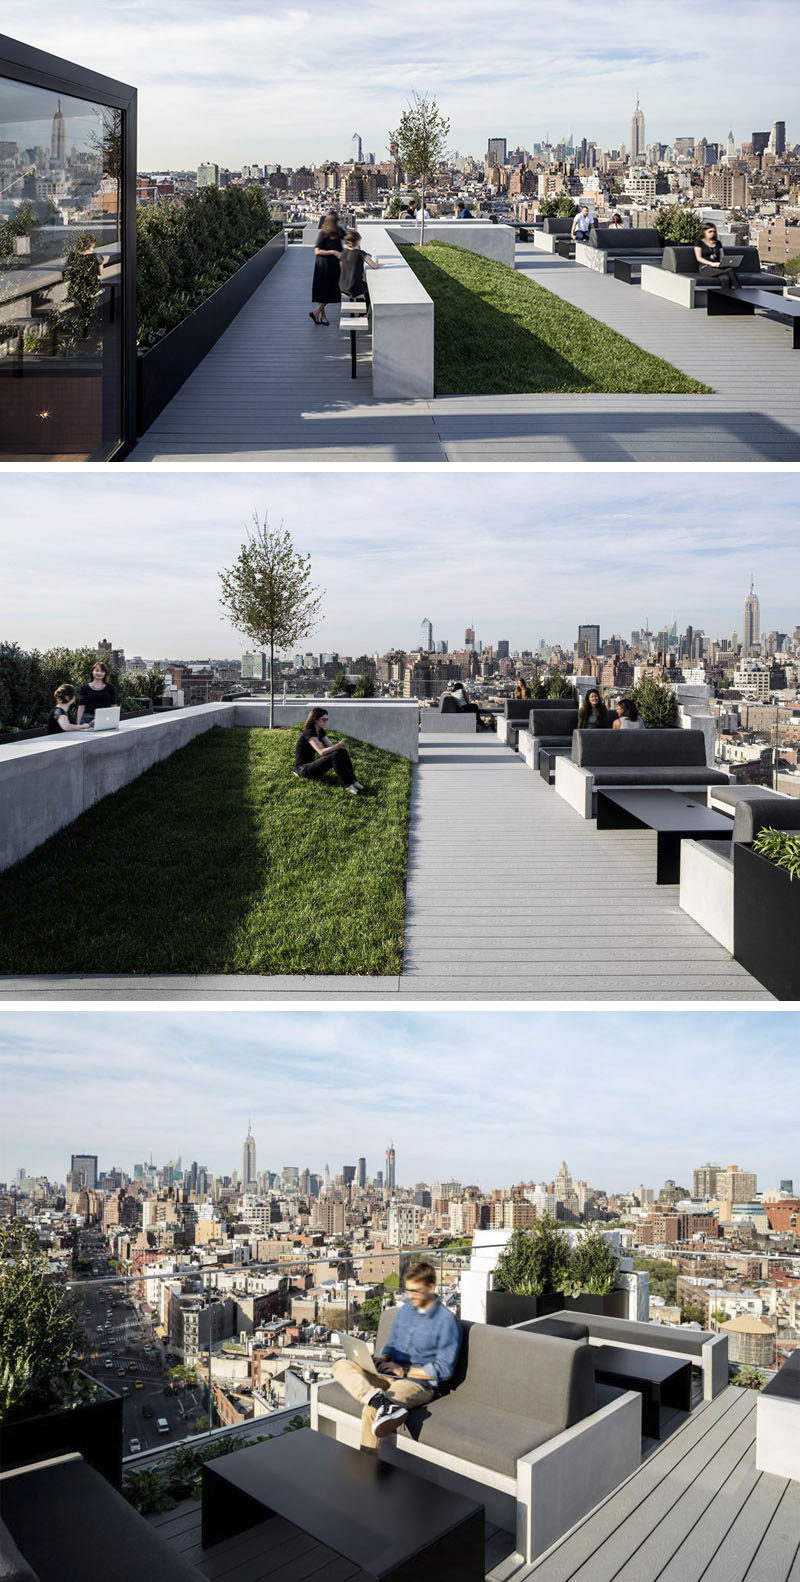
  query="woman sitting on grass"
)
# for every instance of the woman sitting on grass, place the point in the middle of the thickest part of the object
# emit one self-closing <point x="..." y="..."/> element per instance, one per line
<point x="314" y="755"/>
<point x="59" y="719"/>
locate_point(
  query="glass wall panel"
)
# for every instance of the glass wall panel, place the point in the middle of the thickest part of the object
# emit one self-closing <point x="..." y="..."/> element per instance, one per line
<point x="60" y="275"/>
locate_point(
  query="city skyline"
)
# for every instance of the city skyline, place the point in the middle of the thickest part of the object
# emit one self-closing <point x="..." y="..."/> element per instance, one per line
<point x="234" y="85"/>
<point x="75" y="1085"/>
<point x="641" y="553"/>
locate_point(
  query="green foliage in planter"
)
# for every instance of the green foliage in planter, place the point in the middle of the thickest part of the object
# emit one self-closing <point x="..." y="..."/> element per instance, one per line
<point x="21" y="223"/>
<point x="748" y="1378"/>
<point x="781" y="847"/>
<point x="82" y="277"/>
<point x="28" y="681"/>
<point x="186" y="251"/>
<point x="557" y="205"/>
<point x="340" y="686"/>
<point x="656" y="703"/>
<point x="534" y="1260"/>
<point x="180" y="1478"/>
<point x="558" y="685"/>
<point x="537" y="686"/>
<point x="678" y="226"/>
<point x="593" y="1266"/>
<point x="40" y="1329"/>
<point x="364" y="687"/>
<point x="663" y="1277"/>
<point x="369" y="1314"/>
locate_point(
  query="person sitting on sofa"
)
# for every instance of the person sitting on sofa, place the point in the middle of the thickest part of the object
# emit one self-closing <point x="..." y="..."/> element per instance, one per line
<point x="582" y="224"/>
<point x="710" y="255"/>
<point x="462" y="702"/>
<point x="593" y="714"/>
<point x="418" y="1359"/>
<point x="628" y="716"/>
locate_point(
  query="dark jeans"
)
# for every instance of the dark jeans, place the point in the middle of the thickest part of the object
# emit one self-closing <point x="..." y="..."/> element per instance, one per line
<point x="472" y="708"/>
<point x="339" y="762"/>
<point x="728" y="278"/>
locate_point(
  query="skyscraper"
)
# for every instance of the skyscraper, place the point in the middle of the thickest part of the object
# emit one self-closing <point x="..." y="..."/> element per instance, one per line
<point x="362" y="1173"/>
<point x="637" y="133"/>
<point x="426" y="636"/>
<point x="777" y="139"/>
<point x="58" y="139"/>
<point x="502" y="647"/>
<point x="356" y="150"/>
<point x="249" y="1160"/>
<point x="496" y="152"/>
<point x="87" y="1163"/>
<point x="390" y="1179"/>
<point x="590" y="635"/>
<point x="752" y="623"/>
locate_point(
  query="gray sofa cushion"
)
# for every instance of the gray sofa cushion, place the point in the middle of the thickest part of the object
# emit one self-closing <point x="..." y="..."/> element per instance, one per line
<point x="765" y="812"/>
<point x="611" y="239"/>
<point x="13" y="1566"/>
<point x="553" y="722"/>
<point x="563" y="1326"/>
<point x="638" y="749"/>
<point x="686" y="775"/>
<point x="661" y="1337"/>
<point x="733" y="794"/>
<point x="476" y="1431"/>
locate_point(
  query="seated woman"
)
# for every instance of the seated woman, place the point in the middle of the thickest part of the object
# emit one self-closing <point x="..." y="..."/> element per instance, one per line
<point x="461" y="698"/>
<point x="314" y="754"/>
<point x="58" y="719"/>
<point x="95" y="694"/>
<point x="521" y="690"/>
<point x="615" y="223"/>
<point x="710" y="255"/>
<point x="593" y="714"/>
<point x="628" y="716"/>
<point x="352" y="280"/>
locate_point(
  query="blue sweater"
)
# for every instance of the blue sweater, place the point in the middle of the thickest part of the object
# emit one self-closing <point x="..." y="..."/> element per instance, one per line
<point x="430" y="1339"/>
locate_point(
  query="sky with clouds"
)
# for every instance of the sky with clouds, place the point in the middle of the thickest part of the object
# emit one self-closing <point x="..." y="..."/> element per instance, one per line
<point x="489" y="1096"/>
<point x="290" y="82"/>
<point x="134" y="556"/>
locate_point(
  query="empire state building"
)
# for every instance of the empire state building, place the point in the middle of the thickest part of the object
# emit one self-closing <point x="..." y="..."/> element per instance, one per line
<point x="751" y="638"/>
<point x="58" y="140"/>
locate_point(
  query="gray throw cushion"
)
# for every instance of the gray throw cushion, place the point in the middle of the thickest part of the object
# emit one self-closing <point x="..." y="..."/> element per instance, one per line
<point x="13" y="1566"/>
<point x="766" y="812"/>
<point x="638" y="749"/>
<point x="682" y="261"/>
<point x="733" y="795"/>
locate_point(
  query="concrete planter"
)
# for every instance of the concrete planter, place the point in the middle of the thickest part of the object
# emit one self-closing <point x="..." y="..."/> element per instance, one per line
<point x="162" y="370"/>
<point x="94" y="1430"/>
<point x="766" y="922"/>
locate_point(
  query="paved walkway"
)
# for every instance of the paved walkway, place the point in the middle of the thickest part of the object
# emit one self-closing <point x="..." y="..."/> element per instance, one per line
<point x="511" y="892"/>
<point x="276" y="388"/>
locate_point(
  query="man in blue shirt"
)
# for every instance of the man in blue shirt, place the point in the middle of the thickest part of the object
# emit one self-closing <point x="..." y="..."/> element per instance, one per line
<point x="418" y="1360"/>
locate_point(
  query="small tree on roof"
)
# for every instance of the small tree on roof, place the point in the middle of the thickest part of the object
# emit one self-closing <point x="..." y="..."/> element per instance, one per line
<point x="268" y="594"/>
<point x="421" y="140"/>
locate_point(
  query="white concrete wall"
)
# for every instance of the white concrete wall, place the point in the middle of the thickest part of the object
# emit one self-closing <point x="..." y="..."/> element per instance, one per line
<point x="594" y="258"/>
<point x="477" y="236"/>
<point x="675" y="288"/>
<point x="706" y="888"/>
<point x="432" y="722"/>
<point x="402" y="323"/>
<point x="545" y="242"/>
<point x="47" y="783"/>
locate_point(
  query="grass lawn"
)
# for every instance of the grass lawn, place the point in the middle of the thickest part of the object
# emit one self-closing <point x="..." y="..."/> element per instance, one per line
<point x="498" y="333"/>
<point x="219" y="860"/>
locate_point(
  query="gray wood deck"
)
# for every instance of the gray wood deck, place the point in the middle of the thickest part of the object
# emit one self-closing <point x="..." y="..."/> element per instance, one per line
<point x="510" y="892"/>
<point x="277" y="388"/>
<point x="696" y="1509"/>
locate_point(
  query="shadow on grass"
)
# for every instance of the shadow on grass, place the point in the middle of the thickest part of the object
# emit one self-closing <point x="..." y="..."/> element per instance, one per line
<point x="218" y="860"/>
<point x="498" y="332"/>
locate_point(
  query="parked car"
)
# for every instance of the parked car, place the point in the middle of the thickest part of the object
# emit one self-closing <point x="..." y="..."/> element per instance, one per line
<point x="162" y="1425"/>
<point x="135" y="1447"/>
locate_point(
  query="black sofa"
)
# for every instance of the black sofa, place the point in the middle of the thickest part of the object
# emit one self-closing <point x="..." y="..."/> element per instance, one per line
<point x="745" y="260"/>
<point x="548" y="728"/>
<point x="61" y="1520"/>
<point x="675" y="759"/>
<point x="610" y="239"/>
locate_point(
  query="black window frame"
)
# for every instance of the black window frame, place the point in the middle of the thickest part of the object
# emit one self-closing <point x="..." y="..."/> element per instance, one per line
<point x="22" y="63"/>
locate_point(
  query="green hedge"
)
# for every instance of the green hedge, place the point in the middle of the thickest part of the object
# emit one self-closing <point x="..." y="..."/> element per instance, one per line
<point x="28" y="681"/>
<point x="185" y="251"/>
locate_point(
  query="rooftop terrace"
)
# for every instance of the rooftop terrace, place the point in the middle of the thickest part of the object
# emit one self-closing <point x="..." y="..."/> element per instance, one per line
<point x="697" y="1510"/>
<point x="274" y="388"/>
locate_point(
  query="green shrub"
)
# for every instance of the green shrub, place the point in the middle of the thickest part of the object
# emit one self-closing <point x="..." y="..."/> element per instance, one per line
<point x="780" y="847"/>
<point x="678" y="225"/>
<point x="656" y="703"/>
<point x="749" y="1378"/>
<point x="558" y="686"/>
<point x="42" y="1333"/>
<point x="534" y="1260"/>
<point x="593" y="1266"/>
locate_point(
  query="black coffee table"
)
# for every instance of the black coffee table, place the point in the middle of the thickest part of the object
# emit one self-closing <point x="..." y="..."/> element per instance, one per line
<point x="661" y="1381"/>
<point x="547" y="760"/>
<point x="389" y="1522"/>
<point x="672" y="815"/>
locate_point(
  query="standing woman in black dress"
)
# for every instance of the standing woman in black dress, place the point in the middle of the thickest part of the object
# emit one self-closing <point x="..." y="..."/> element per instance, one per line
<point x="95" y="694"/>
<point x="327" y="251"/>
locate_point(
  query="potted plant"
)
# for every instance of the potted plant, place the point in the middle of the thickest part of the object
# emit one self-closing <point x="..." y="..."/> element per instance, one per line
<point x="48" y="1406"/>
<point x="592" y="1272"/>
<point x="766" y="910"/>
<point x="538" y="1273"/>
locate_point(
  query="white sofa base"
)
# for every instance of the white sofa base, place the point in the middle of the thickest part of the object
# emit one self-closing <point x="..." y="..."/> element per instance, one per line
<point x="555" y="1485"/>
<point x="683" y="289"/>
<point x="576" y="785"/>
<point x="706" y="889"/>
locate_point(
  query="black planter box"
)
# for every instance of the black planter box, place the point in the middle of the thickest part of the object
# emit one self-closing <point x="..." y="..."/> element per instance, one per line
<point x="766" y="922"/>
<point x="162" y="370"/>
<point x="503" y="1308"/>
<point x="95" y="1430"/>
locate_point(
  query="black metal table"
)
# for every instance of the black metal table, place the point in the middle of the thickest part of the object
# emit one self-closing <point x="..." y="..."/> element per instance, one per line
<point x="672" y="815"/>
<point x="391" y="1523"/>
<point x="547" y="760"/>
<point x="661" y="1381"/>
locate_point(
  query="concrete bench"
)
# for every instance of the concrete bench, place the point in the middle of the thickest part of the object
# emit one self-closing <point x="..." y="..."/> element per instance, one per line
<point x="778" y="1423"/>
<point x="523" y="1428"/>
<point x="679" y="279"/>
<point x="707" y="1351"/>
<point x="621" y="760"/>
<point x="609" y="244"/>
<point x="707" y="872"/>
<point x="547" y="728"/>
<point x="60" y="1518"/>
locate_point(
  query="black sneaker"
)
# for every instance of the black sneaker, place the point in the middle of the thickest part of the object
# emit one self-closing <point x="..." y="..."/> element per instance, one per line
<point x="388" y="1419"/>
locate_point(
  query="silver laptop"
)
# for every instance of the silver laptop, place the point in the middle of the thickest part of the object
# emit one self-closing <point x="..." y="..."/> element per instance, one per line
<point x="106" y="719"/>
<point x="357" y="1351"/>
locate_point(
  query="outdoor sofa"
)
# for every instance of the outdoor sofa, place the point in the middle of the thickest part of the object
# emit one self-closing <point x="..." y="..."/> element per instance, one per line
<point x="516" y="712"/>
<point x="707" y="868"/>
<point x="672" y="759"/>
<point x="606" y="244"/>
<point x="547" y="728"/>
<point x="524" y="1428"/>
<point x="449" y="718"/>
<point x="707" y="1351"/>
<point x="679" y="278"/>
<point x="554" y="231"/>
<point x="61" y="1518"/>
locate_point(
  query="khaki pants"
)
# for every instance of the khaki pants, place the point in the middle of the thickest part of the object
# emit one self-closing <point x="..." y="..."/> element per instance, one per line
<point x="362" y="1382"/>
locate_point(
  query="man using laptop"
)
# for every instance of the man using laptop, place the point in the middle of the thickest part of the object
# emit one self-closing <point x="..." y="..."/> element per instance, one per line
<point x="418" y="1360"/>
